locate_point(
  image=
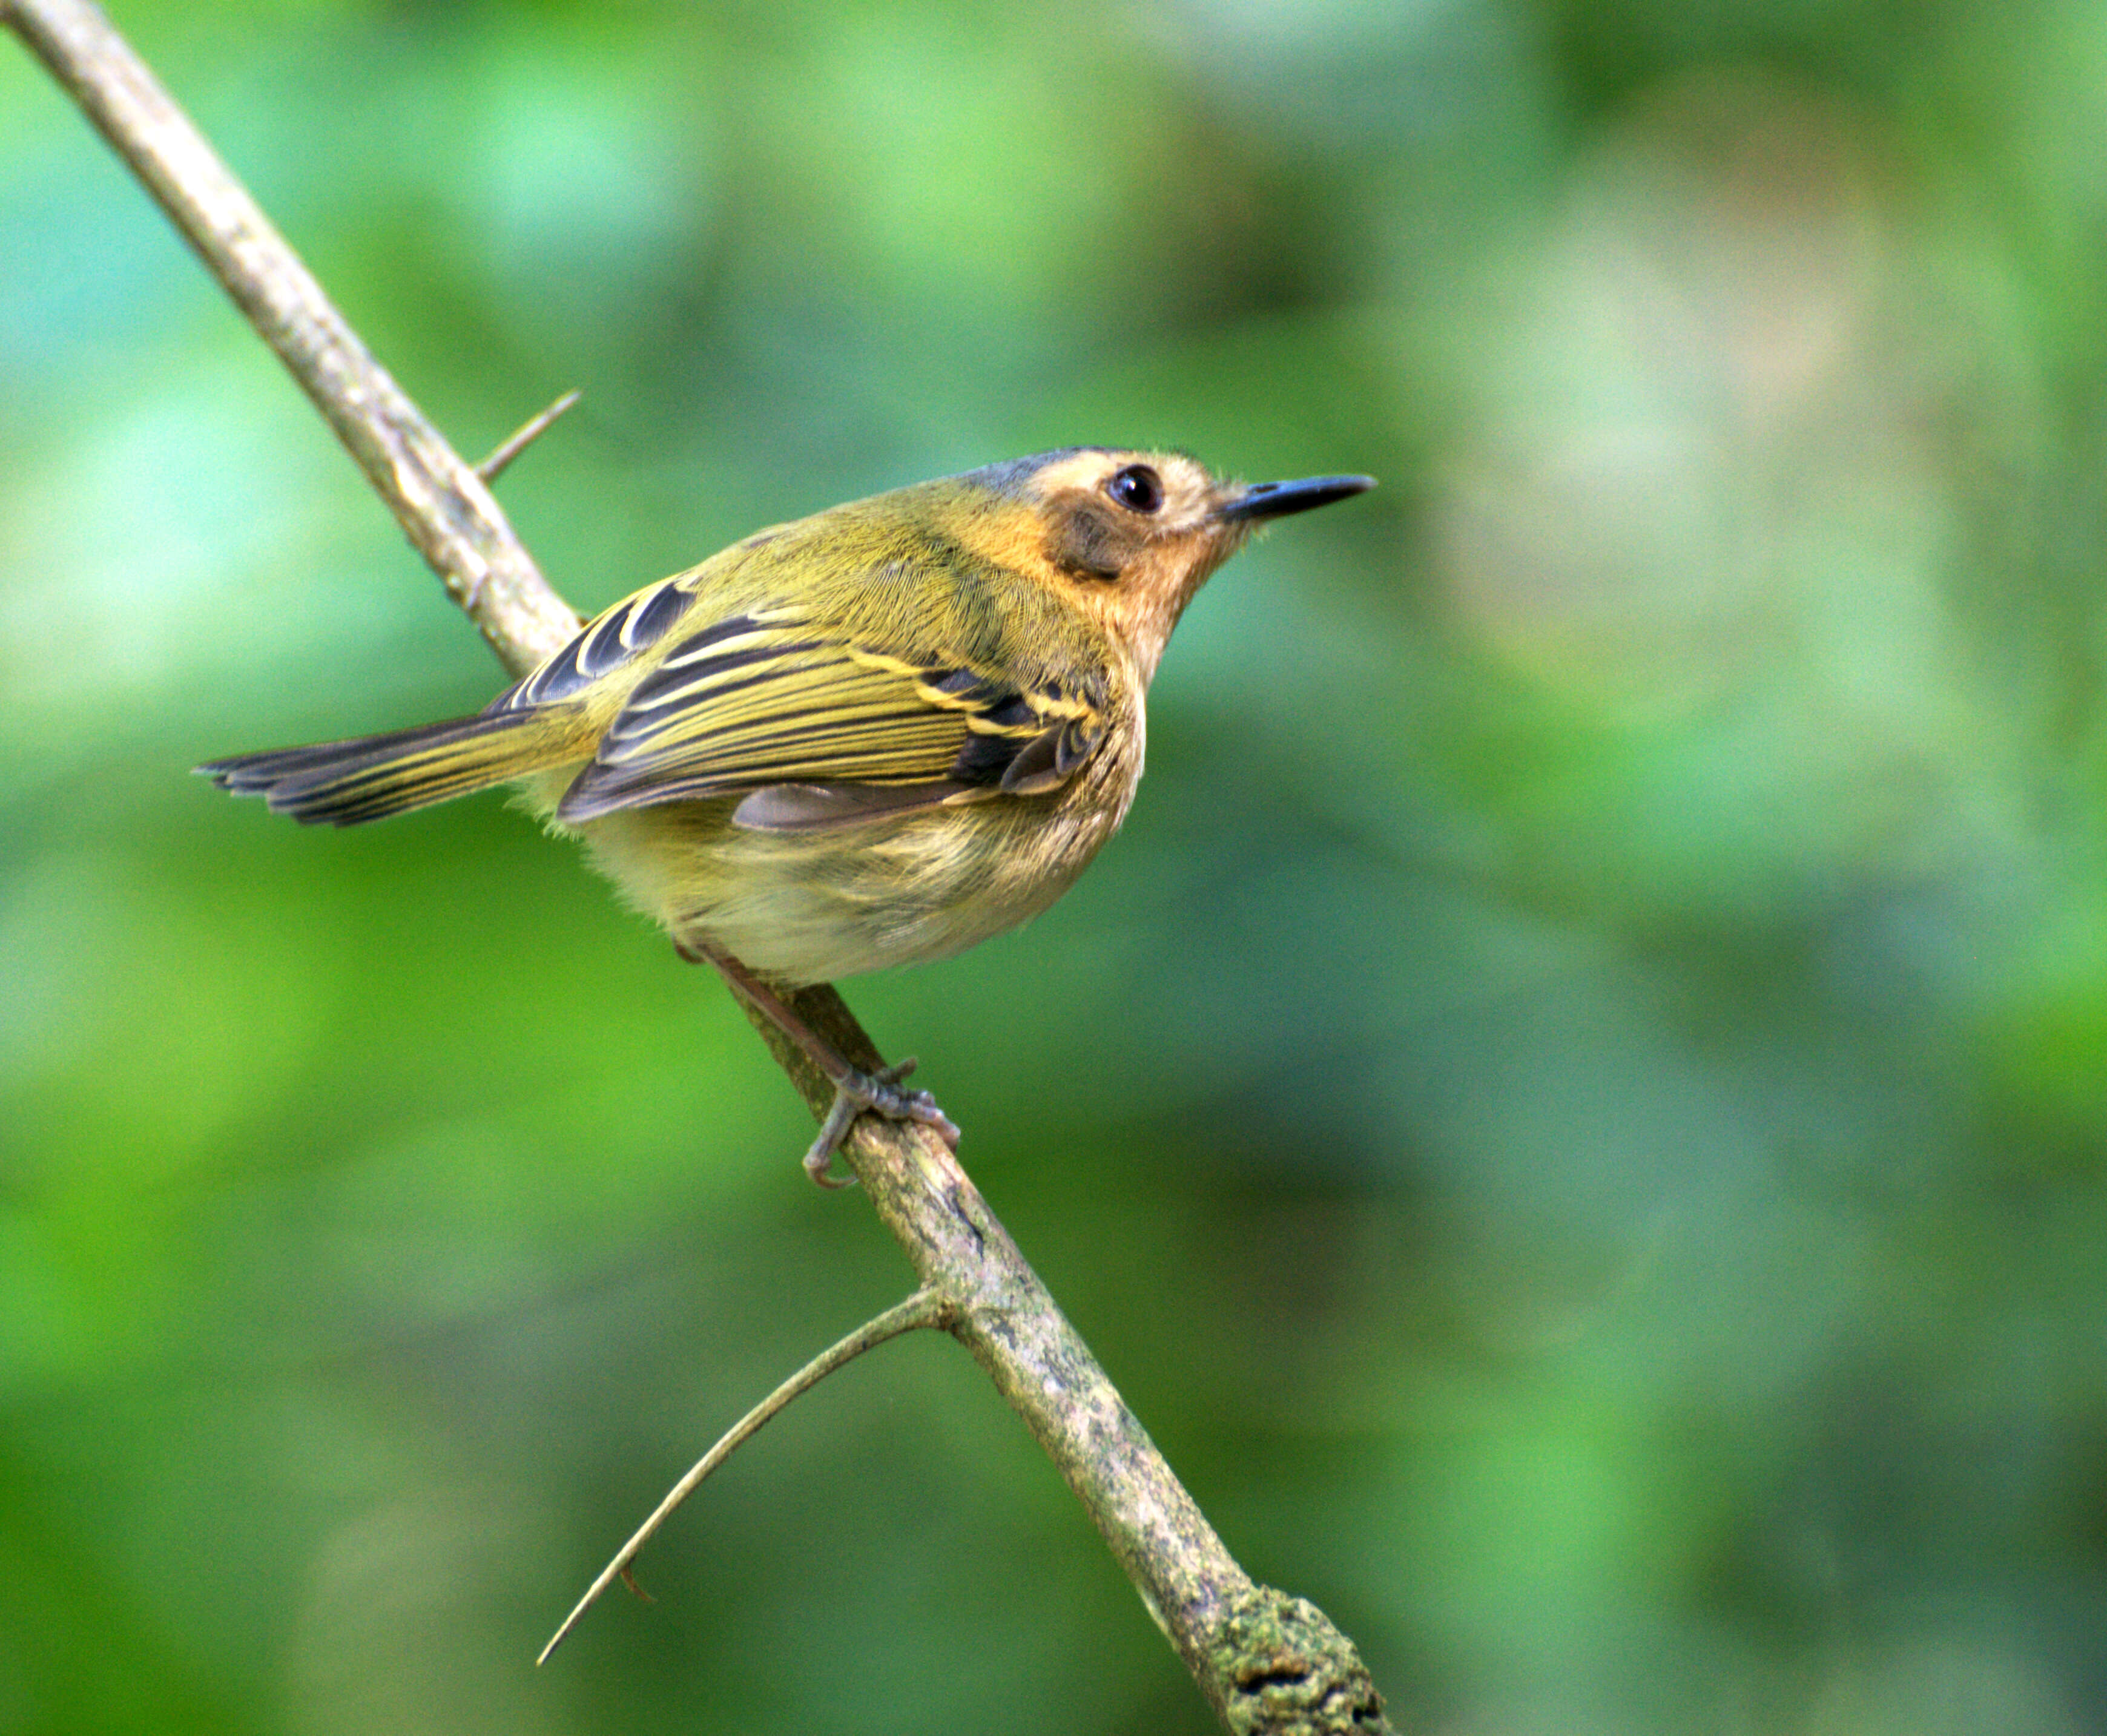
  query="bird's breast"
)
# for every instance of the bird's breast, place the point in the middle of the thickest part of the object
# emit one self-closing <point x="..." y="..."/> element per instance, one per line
<point x="818" y="906"/>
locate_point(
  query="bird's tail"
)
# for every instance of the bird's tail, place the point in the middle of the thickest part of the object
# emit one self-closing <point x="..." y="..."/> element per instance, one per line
<point x="346" y="784"/>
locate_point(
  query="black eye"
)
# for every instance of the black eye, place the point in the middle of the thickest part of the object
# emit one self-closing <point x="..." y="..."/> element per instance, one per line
<point x="1138" y="488"/>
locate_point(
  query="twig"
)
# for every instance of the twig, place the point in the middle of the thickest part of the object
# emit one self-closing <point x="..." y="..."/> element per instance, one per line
<point x="1266" y="1662"/>
<point x="439" y="501"/>
<point x="492" y="467"/>
<point x="925" y="1308"/>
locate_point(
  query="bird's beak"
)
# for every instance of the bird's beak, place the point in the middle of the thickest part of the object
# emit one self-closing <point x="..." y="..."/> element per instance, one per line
<point x="1277" y="500"/>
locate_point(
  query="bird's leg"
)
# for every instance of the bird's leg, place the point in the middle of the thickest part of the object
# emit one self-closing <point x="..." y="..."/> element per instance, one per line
<point x="854" y="1090"/>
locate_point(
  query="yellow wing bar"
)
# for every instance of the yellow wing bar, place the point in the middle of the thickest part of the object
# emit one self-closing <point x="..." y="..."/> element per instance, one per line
<point x="756" y="700"/>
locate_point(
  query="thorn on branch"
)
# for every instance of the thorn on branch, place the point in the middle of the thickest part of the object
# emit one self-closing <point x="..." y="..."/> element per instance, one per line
<point x="492" y="467"/>
<point x="925" y="1308"/>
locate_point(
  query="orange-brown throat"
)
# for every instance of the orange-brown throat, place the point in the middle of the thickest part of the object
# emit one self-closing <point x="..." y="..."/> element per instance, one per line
<point x="1140" y="608"/>
<point x="1130" y="572"/>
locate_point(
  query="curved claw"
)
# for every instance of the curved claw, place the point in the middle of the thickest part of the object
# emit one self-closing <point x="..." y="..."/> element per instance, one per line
<point x="916" y="1105"/>
<point x="922" y="1107"/>
<point x="819" y="1161"/>
<point x="880" y="1094"/>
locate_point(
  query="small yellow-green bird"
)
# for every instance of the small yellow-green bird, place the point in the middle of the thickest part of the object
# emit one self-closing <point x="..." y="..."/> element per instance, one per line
<point x="873" y="737"/>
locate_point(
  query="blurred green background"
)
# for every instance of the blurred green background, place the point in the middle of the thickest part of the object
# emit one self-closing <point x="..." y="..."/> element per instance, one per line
<point x="1575" y="1110"/>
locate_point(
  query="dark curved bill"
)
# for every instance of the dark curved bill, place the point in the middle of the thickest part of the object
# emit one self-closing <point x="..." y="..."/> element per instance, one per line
<point x="1277" y="500"/>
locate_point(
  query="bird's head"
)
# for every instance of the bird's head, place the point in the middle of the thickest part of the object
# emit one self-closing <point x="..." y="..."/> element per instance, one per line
<point x="1129" y="536"/>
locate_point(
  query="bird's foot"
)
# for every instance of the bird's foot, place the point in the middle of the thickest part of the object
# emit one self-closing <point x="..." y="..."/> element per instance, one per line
<point x="880" y="1094"/>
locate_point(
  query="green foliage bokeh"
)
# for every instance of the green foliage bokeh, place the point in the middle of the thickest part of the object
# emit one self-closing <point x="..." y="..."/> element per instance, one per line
<point x="1574" y="1111"/>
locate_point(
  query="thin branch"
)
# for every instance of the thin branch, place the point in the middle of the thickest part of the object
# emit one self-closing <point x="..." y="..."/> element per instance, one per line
<point x="492" y="467"/>
<point x="1267" y="1662"/>
<point x="439" y="501"/>
<point x="925" y="1308"/>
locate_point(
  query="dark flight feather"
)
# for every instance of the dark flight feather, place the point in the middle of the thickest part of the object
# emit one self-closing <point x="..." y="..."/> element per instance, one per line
<point x="768" y="703"/>
<point x="346" y="784"/>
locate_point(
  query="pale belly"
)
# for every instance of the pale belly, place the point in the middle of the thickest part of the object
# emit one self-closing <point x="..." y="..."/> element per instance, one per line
<point x="815" y="906"/>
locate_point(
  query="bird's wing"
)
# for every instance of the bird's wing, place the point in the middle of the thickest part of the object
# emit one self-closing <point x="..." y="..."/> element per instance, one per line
<point x="606" y="642"/>
<point x="823" y="731"/>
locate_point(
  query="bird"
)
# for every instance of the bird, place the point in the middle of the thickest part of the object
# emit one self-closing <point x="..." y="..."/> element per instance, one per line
<point x="873" y="737"/>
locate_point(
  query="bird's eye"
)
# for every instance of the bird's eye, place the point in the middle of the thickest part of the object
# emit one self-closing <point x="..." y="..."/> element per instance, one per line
<point x="1138" y="488"/>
